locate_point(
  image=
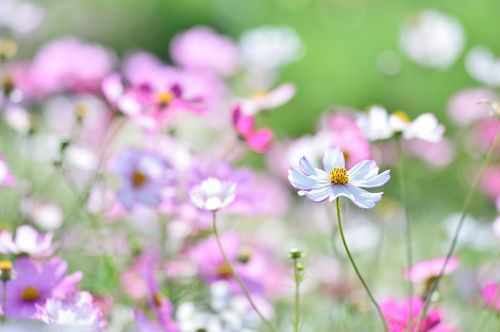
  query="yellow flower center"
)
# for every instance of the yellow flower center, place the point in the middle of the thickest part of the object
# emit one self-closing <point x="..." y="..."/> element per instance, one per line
<point x="80" y="111"/>
<point x="339" y="176"/>
<point x="164" y="98"/>
<point x="259" y="94"/>
<point x="157" y="301"/>
<point x="5" y="265"/>
<point x="402" y="116"/>
<point x="30" y="294"/>
<point x="223" y="271"/>
<point x="139" y="179"/>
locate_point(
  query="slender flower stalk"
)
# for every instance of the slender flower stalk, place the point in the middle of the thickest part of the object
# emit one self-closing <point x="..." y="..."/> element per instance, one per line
<point x="408" y="236"/>
<point x="298" y="269"/>
<point x="468" y="200"/>
<point x="367" y="289"/>
<point x="235" y="275"/>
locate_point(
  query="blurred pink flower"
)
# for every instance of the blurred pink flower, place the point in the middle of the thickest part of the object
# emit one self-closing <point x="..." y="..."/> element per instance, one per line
<point x="398" y="316"/>
<point x="27" y="241"/>
<point x="201" y="48"/>
<point x="491" y="295"/>
<point x="7" y="178"/>
<point x="484" y="132"/>
<point x="258" y="140"/>
<point x="65" y="64"/>
<point x="425" y="270"/>
<point x="490" y="184"/>
<point x="439" y="154"/>
<point x="345" y="134"/>
<point x="464" y="108"/>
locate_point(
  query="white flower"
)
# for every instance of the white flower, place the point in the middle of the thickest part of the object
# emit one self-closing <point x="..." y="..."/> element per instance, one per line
<point x="377" y="125"/>
<point x="27" y="241"/>
<point x="483" y="66"/>
<point x="432" y="39"/>
<point x="267" y="100"/>
<point x="213" y="194"/>
<point x="20" y="16"/>
<point x="334" y="180"/>
<point x="78" y="313"/>
<point x="269" y="48"/>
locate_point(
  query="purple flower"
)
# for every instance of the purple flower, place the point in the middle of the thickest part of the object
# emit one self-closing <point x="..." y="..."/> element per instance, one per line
<point x="34" y="285"/>
<point x="147" y="178"/>
<point x="201" y="48"/>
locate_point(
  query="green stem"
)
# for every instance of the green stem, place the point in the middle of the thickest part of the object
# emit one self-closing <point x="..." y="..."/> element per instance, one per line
<point x="465" y="210"/>
<point x="296" y="320"/>
<point x="408" y="236"/>
<point x="372" y="298"/>
<point x="235" y="275"/>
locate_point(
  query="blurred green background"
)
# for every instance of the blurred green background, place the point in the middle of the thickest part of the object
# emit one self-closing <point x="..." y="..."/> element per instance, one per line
<point x="343" y="40"/>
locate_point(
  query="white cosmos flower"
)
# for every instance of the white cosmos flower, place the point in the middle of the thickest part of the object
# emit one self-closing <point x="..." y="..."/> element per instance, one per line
<point x="432" y="39"/>
<point x="334" y="180"/>
<point x="378" y="125"/>
<point x="27" y="241"/>
<point x="213" y="194"/>
<point x="267" y="100"/>
<point x="483" y="66"/>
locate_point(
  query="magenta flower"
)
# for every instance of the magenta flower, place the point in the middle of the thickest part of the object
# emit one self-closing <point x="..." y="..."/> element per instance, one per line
<point x="63" y="64"/>
<point x="345" y="134"/>
<point x="202" y="49"/>
<point x="399" y="317"/>
<point x="34" y="285"/>
<point x="258" y="140"/>
<point x="491" y="295"/>
<point x="426" y="270"/>
<point x="147" y="178"/>
<point x="27" y="241"/>
<point x="7" y="178"/>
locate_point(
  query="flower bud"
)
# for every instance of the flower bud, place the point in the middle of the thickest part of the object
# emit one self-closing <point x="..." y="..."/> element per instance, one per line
<point x="295" y="254"/>
<point x="6" y="270"/>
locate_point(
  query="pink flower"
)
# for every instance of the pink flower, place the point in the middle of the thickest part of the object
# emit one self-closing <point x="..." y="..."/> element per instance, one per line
<point x="490" y="184"/>
<point x="465" y="108"/>
<point x="491" y="295"/>
<point x="258" y="140"/>
<point x="425" y="270"/>
<point x="201" y="48"/>
<point x="27" y="241"/>
<point x="345" y="134"/>
<point x="67" y="64"/>
<point x="484" y="133"/>
<point x="7" y="178"/>
<point x="398" y="316"/>
<point x="439" y="154"/>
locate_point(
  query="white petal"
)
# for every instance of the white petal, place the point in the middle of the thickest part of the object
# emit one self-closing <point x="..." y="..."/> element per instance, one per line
<point x="425" y="127"/>
<point x="333" y="158"/>
<point x="340" y="190"/>
<point x="363" y="198"/>
<point x="306" y="166"/>
<point x="301" y="181"/>
<point x="364" y="174"/>
<point x="320" y="194"/>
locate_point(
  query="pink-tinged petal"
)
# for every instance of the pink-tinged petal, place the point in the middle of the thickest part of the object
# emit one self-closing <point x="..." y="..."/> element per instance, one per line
<point x="260" y="140"/>
<point x="68" y="285"/>
<point x="319" y="194"/>
<point x="363" y="198"/>
<point x="333" y="158"/>
<point x="112" y="88"/>
<point x="423" y="271"/>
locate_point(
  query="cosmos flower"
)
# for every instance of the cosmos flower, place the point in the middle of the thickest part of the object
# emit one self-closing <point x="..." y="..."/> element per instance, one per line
<point x="398" y="316"/>
<point x="78" y="312"/>
<point x="378" y="125"/>
<point x="258" y="140"/>
<point x="491" y="295"/>
<point x="432" y="39"/>
<point x="439" y="154"/>
<point x="267" y="100"/>
<point x="147" y="178"/>
<point x="429" y="269"/>
<point x="213" y="194"/>
<point x="334" y="180"/>
<point x="483" y="66"/>
<point x="201" y="48"/>
<point x="27" y="241"/>
<point x="21" y="17"/>
<point x="465" y="107"/>
<point x="7" y="178"/>
<point x="34" y="285"/>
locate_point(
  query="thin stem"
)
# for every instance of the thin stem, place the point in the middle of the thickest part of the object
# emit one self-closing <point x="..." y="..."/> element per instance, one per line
<point x="372" y="298"/>
<point x="235" y="275"/>
<point x="297" y="276"/>
<point x="408" y="236"/>
<point x="4" y="300"/>
<point x="465" y="210"/>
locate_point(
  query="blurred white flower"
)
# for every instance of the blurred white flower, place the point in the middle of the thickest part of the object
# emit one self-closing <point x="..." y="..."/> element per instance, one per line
<point x="213" y="194"/>
<point x="20" y="16"/>
<point x="269" y="48"/>
<point x="483" y="66"/>
<point x="375" y="124"/>
<point x="27" y="241"/>
<point x="18" y="118"/>
<point x="496" y="227"/>
<point x="432" y="39"/>
<point x="475" y="234"/>
<point x="46" y="215"/>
